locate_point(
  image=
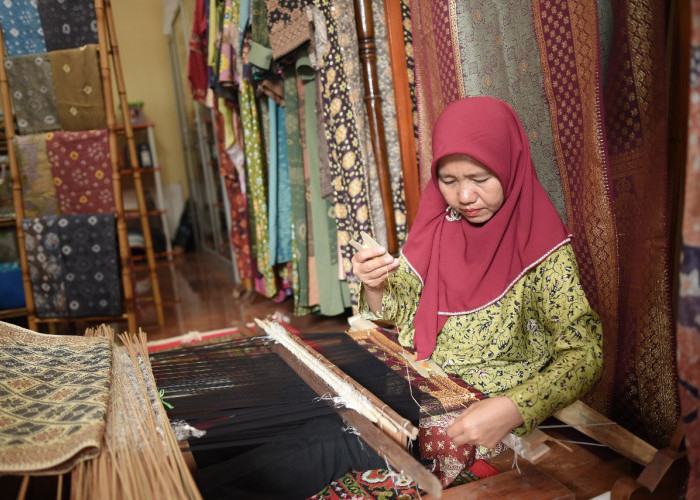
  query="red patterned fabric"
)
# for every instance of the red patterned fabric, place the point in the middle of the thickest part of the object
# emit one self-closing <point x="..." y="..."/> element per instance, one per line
<point x="465" y="267"/>
<point x="82" y="171"/>
<point x="197" y="70"/>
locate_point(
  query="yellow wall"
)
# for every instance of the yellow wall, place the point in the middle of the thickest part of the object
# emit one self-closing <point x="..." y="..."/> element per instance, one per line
<point x="145" y="63"/>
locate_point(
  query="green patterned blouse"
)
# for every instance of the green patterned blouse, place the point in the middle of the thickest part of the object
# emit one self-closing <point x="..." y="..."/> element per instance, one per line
<point x="540" y="345"/>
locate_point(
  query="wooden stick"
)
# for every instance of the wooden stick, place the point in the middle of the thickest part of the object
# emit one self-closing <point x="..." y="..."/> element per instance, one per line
<point x="581" y="416"/>
<point x="384" y="445"/>
<point x="16" y="190"/>
<point x="404" y="108"/>
<point x="133" y="159"/>
<point x="373" y="100"/>
<point x="124" y="251"/>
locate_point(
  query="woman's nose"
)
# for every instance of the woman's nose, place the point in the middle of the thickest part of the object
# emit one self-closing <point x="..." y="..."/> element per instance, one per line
<point x="466" y="195"/>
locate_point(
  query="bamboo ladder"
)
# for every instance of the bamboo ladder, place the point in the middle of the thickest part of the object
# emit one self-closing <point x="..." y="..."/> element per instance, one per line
<point x="107" y="39"/>
<point x="32" y="318"/>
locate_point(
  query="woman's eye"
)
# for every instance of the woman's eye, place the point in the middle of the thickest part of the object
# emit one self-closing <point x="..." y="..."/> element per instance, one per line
<point x="447" y="182"/>
<point x="481" y="181"/>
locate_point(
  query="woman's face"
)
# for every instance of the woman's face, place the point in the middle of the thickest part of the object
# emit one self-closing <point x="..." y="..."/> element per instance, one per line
<point x="470" y="188"/>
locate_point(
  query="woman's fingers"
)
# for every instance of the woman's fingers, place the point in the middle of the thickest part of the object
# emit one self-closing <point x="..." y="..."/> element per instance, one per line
<point x="373" y="265"/>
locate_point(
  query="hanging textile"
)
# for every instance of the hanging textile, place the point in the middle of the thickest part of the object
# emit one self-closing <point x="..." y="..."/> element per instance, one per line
<point x="257" y="196"/>
<point x="55" y="390"/>
<point x="82" y="171"/>
<point x="78" y="88"/>
<point x="289" y="27"/>
<point x="68" y="25"/>
<point x="351" y="194"/>
<point x="646" y="397"/>
<point x="333" y="295"/>
<point x="688" y="349"/>
<point x="21" y="29"/>
<point x="237" y="204"/>
<point x="284" y="201"/>
<point x="38" y="190"/>
<point x="297" y="191"/>
<point x="197" y="55"/>
<point x="33" y="98"/>
<point x="520" y="53"/>
<point x="73" y="265"/>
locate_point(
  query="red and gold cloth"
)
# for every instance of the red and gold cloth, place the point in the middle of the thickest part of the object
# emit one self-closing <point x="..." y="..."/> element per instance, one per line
<point x="82" y="172"/>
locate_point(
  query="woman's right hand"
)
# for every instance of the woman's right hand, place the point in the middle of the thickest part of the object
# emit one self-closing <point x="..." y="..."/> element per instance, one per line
<point x="373" y="266"/>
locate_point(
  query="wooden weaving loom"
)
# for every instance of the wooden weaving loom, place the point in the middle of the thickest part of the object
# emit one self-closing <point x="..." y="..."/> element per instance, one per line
<point x="550" y="466"/>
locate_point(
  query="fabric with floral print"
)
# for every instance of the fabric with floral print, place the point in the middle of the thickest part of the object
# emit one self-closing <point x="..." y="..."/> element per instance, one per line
<point x="68" y="25"/>
<point x="82" y="171"/>
<point x="31" y="89"/>
<point x="21" y="28"/>
<point x="540" y="345"/>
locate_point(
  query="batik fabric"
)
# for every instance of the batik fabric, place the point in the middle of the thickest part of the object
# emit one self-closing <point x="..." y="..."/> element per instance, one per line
<point x="21" y="29"/>
<point x="68" y="25"/>
<point x="36" y="178"/>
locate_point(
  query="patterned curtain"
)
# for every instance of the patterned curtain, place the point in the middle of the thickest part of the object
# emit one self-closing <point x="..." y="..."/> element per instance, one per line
<point x="542" y="58"/>
<point x="645" y="394"/>
<point x="689" y="294"/>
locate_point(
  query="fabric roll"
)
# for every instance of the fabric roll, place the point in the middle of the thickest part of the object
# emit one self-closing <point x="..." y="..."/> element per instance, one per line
<point x="68" y="25"/>
<point x="21" y="28"/>
<point x="42" y="241"/>
<point x="82" y="171"/>
<point x="78" y="88"/>
<point x="32" y="92"/>
<point x="284" y="202"/>
<point x="54" y="395"/>
<point x="89" y="252"/>
<point x="38" y="189"/>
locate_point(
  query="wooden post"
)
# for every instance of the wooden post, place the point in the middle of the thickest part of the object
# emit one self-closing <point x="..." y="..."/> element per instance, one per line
<point x="16" y="190"/>
<point x="365" y="35"/>
<point x="404" y="108"/>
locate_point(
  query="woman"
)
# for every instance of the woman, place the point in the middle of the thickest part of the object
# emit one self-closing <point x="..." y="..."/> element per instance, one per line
<point x="487" y="283"/>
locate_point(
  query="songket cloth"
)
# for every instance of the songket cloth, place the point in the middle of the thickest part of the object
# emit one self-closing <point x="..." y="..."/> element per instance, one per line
<point x="54" y="392"/>
<point x="348" y="167"/>
<point x="38" y="190"/>
<point x="297" y="192"/>
<point x="257" y="195"/>
<point x="21" y="29"/>
<point x="543" y="59"/>
<point x="333" y="295"/>
<point x="645" y="395"/>
<point x="688" y="325"/>
<point x="288" y="25"/>
<point x="68" y="25"/>
<point x="73" y="266"/>
<point x="31" y="89"/>
<point x="82" y="171"/>
<point x="78" y="88"/>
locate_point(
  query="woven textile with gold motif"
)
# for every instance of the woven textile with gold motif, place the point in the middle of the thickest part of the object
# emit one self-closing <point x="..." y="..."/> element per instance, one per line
<point x="53" y="399"/>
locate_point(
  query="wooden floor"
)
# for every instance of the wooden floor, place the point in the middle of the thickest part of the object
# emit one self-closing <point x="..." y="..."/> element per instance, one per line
<point x="199" y="294"/>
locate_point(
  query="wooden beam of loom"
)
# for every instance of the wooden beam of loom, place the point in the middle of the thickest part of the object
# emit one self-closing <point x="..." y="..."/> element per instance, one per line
<point x="375" y="436"/>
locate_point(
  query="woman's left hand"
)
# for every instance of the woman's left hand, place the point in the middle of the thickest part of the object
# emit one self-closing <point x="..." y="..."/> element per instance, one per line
<point x="485" y="423"/>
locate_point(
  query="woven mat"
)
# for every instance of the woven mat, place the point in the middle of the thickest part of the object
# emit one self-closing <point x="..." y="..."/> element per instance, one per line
<point x="54" y="392"/>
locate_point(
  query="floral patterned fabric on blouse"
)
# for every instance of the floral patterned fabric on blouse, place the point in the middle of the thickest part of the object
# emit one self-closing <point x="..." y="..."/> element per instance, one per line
<point x="540" y="345"/>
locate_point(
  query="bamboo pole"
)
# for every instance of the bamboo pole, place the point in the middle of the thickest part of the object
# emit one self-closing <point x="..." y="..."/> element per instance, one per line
<point x="404" y="108"/>
<point x="124" y="252"/>
<point x="133" y="157"/>
<point x="16" y="190"/>
<point x="373" y="101"/>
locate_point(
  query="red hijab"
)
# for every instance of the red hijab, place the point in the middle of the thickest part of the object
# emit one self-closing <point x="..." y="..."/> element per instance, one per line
<point x="467" y="267"/>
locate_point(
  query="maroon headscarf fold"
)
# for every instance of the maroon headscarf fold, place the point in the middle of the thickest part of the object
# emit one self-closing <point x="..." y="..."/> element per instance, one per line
<point x="467" y="267"/>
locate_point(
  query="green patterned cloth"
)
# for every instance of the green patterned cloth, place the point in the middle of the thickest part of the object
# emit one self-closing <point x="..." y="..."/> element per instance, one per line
<point x="540" y="345"/>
